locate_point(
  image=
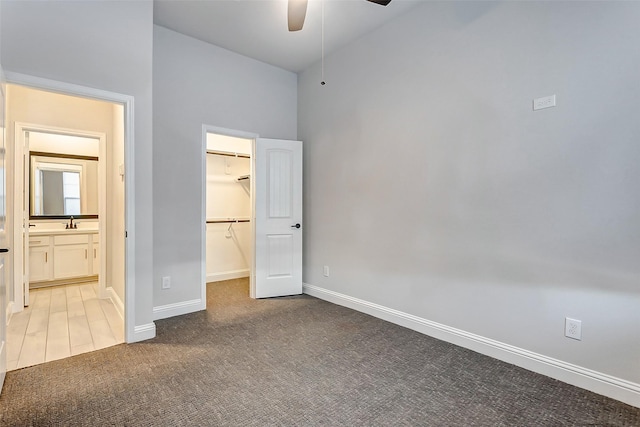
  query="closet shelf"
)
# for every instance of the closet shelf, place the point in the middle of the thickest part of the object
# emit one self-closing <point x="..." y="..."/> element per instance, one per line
<point x="227" y="220"/>
<point x="229" y="154"/>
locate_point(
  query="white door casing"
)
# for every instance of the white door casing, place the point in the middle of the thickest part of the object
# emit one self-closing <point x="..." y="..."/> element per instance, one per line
<point x="26" y="183"/>
<point x="278" y="218"/>
<point x="5" y="257"/>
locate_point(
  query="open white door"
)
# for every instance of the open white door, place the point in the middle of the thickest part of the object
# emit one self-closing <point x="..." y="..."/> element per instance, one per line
<point x="4" y="250"/>
<point x="278" y="218"/>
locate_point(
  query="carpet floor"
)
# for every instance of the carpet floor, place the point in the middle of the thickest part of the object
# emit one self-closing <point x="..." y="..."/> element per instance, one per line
<point x="295" y="361"/>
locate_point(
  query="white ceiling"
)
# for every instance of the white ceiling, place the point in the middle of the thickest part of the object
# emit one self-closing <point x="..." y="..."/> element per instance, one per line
<point x="258" y="28"/>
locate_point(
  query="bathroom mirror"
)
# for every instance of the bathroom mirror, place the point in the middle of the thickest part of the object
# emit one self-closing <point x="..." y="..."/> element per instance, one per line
<point x="62" y="186"/>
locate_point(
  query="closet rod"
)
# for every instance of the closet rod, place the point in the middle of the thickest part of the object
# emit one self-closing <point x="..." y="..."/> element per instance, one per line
<point x="226" y="153"/>
<point x="226" y="221"/>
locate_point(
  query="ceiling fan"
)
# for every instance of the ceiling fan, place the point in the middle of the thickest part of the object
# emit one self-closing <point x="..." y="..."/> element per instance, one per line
<point x="297" y="10"/>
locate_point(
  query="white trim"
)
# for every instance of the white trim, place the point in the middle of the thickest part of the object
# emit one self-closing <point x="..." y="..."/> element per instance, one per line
<point x="597" y="382"/>
<point x="203" y="203"/>
<point x="177" y="309"/>
<point x="131" y="330"/>
<point x="115" y="299"/>
<point x="228" y="275"/>
<point x="143" y="332"/>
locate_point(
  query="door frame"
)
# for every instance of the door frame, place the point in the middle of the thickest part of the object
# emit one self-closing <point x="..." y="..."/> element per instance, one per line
<point x="127" y="101"/>
<point x="21" y="246"/>
<point x="203" y="211"/>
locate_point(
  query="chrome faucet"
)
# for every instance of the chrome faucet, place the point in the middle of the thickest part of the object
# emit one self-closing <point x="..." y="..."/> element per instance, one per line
<point x="71" y="225"/>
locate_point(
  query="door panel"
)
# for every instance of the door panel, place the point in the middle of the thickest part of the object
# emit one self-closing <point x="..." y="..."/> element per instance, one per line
<point x="280" y="251"/>
<point x="278" y="209"/>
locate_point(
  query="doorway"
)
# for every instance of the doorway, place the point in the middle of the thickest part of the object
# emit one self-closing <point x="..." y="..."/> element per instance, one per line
<point x="62" y="193"/>
<point x="79" y="254"/>
<point x="229" y="236"/>
<point x="275" y="206"/>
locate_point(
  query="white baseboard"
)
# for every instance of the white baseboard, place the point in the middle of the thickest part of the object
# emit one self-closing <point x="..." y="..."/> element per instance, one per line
<point x="597" y="382"/>
<point x="228" y="275"/>
<point x="143" y="332"/>
<point x="9" y="312"/>
<point x="115" y="299"/>
<point x="177" y="309"/>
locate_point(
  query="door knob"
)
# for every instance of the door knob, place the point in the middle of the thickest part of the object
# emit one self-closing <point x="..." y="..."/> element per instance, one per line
<point x="296" y="226"/>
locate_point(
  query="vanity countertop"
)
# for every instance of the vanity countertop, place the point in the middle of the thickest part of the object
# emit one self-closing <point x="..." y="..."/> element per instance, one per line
<point x="44" y="231"/>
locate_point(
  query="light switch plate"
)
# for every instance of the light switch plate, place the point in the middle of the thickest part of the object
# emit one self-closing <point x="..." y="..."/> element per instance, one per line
<point x="544" y="102"/>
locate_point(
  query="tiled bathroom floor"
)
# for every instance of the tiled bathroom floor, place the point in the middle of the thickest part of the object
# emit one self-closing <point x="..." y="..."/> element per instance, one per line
<point x="62" y="321"/>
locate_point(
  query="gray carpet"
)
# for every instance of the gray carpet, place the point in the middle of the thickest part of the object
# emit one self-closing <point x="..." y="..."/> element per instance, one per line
<point x="295" y="361"/>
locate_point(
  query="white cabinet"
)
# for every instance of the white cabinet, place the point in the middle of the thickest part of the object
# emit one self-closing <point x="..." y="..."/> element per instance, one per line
<point x="39" y="259"/>
<point x="63" y="256"/>
<point x="70" y="256"/>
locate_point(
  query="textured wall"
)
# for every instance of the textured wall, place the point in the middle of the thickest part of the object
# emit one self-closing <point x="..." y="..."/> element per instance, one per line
<point x="431" y="187"/>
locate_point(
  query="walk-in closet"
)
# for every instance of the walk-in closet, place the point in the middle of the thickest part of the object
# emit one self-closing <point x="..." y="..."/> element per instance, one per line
<point x="228" y="208"/>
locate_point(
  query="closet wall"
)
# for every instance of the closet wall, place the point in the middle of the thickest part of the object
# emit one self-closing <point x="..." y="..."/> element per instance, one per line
<point x="228" y="197"/>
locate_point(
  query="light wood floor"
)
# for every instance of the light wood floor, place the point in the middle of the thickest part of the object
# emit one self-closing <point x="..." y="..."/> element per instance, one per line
<point x="60" y="322"/>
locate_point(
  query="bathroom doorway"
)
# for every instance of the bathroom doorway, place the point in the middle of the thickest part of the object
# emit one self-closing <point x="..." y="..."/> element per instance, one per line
<point x="71" y="254"/>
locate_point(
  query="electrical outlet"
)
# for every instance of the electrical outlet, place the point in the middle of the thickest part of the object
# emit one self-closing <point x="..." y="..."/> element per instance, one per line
<point x="325" y="271"/>
<point x="544" y="102"/>
<point x="573" y="328"/>
<point x="166" y="282"/>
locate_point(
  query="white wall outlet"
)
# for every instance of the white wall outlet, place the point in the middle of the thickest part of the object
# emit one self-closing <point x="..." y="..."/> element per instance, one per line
<point x="166" y="282"/>
<point x="544" y="102"/>
<point x="325" y="271"/>
<point x="573" y="328"/>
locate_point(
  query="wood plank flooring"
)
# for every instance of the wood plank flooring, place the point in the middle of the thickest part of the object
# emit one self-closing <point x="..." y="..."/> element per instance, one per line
<point x="60" y="322"/>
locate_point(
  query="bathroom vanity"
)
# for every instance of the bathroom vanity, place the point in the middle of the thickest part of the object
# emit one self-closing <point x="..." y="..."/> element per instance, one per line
<point x="63" y="255"/>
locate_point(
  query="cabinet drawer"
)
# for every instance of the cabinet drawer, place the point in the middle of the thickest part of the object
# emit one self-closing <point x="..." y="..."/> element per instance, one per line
<point x="75" y="239"/>
<point x="96" y="238"/>
<point x="39" y="240"/>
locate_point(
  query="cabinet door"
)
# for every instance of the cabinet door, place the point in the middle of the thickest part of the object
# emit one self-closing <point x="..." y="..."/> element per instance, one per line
<point x="39" y="263"/>
<point x="70" y="261"/>
<point x="96" y="258"/>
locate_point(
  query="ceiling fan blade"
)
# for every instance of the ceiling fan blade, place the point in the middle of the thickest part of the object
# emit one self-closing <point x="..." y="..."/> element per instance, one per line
<point x="380" y="2"/>
<point x="297" y="12"/>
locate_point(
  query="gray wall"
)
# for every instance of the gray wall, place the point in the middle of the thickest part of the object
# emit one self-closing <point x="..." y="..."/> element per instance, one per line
<point x="431" y="187"/>
<point x="52" y="193"/>
<point x="196" y="83"/>
<point x="105" y="45"/>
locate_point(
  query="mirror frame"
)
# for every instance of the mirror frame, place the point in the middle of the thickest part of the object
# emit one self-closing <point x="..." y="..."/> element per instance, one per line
<point x="57" y="155"/>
